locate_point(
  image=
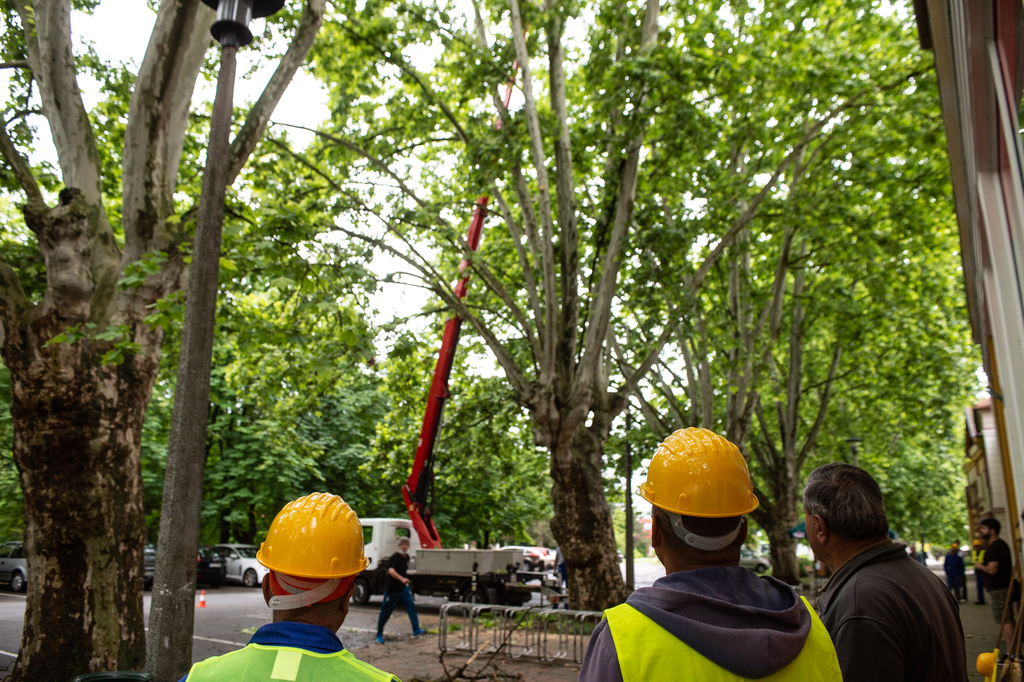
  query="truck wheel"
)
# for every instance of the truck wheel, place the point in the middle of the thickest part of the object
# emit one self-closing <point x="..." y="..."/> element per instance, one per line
<point x="477" y="596"/>
<point x="249" y="579"/>
<point x="361" y="595"/>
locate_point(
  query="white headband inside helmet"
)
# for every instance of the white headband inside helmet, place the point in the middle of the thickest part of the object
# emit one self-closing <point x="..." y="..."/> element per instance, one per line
<point x="702" y="542"/>
<point x="302" y="592"/>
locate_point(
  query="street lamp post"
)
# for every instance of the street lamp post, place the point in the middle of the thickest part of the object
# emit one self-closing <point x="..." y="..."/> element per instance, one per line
<point x="854" y="442"/>
<point x="169" y="641"/>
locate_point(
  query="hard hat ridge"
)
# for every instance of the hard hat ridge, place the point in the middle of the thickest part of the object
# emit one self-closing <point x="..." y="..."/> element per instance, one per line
<point x="696" y="472"/>
<point x="316" y="536"/>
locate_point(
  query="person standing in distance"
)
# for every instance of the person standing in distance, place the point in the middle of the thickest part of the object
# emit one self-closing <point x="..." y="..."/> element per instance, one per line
<point x="708" y="618"/>
<point x="397" y="592"/>
<point x="997" y="570"/>
<point x="890" y="617"/>
<point x="953" y="566"/>
<point x="978" y="557"/>
<point x="314" y="550"/>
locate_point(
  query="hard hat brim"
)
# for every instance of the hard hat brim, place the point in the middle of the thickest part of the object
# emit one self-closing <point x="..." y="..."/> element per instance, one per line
<point x="298" y="574"/>
<point x="689" y="512"/>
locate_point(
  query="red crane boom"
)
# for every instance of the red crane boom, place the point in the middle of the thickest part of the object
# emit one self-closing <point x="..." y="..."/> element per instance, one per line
<point x="418" y="489"/>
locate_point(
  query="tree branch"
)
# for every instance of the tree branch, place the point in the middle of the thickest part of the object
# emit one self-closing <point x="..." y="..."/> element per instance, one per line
<point x="565" y="193"/>
<point x="547" y="262"/>
<point x="600" y="309"/>
<point x="645" y="365"/>
<point x="796" y="354"/>
<point x="515" y="377"/>
<point x="16" y="64"/>
<point x="770" y="449"/>
<point x="147" y="191"/>
<point x="408" y="71"/>
<point x="19" y="165"/>
<point x="823" y="400"/>
<point x="517" y="313"/>
<point x="256" y="120"/>
<point x="47" y="28"/>
<point x="376" y="161"/>
<point x="524" y="262"/>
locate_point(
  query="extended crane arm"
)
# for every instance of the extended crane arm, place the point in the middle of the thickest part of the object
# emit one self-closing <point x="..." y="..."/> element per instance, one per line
<point x="419" y="487"/>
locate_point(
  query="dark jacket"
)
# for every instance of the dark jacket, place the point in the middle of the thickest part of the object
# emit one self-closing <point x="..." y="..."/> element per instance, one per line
<point x="892" y="619"/>
<point x="953" y="565"/>
<point x="751" y="626"/>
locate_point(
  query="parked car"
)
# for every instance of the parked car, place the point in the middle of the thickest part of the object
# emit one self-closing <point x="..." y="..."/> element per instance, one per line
<point x="535" y="558"/>
<point x="210" y="568"/>
<point x="147" y="577"/>
<point x="13" y="566"/>
<point x="241" y="564"/>
<point x="757" y="564"/>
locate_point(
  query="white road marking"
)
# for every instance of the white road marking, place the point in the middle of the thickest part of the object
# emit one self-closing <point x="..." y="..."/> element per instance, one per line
<point x="8" y="653"/>
<point x="16" y="596"/>
<point x="218" y="641"/>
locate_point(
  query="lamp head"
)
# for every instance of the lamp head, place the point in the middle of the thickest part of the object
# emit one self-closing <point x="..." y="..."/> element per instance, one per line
<point x="233" y="16"/>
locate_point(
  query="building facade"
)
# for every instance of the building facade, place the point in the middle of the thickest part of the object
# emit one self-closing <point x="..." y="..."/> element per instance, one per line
<point x="979" y="58"/>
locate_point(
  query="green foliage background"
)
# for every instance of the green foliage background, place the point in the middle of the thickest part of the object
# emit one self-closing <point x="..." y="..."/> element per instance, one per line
<point x="298" y="402"/>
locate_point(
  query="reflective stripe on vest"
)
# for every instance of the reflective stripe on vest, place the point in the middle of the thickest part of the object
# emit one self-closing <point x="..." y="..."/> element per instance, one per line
<point x="258" y="663"/>
<point x="649" y="652"/>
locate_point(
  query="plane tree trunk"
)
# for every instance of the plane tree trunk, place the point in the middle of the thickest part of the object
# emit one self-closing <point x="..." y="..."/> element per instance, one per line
<point x="82" y="358"/>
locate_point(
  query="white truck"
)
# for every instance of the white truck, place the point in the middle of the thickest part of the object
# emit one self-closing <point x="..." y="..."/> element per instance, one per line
<point x="483" y="576"/>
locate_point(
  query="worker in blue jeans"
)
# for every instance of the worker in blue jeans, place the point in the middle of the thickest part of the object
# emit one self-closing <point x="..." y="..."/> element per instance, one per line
<point x="397" y="592"/>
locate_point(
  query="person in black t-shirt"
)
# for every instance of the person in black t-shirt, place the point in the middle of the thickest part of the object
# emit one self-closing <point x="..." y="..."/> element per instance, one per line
<point x="997" y="569"/>
<point x="397" y="592"/>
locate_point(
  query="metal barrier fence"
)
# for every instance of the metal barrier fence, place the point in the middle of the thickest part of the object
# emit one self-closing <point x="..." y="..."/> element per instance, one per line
<point x="547" y="634"/>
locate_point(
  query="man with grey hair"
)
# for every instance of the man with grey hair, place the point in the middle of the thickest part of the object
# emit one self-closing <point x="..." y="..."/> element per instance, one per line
<point x="890" y="618"/>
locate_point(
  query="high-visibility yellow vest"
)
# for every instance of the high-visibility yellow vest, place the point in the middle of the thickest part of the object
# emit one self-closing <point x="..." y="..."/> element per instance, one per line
<point x="259" y="663"/>
<point x="649" y="653"/>
<point x="978" y="556"/>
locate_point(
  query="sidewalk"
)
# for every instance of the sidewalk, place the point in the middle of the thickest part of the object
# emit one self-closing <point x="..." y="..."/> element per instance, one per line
<point x="979" y="629"/>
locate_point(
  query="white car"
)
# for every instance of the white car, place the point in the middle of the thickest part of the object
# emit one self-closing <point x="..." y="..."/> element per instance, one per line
<point x="757" y="564"/>
<point x="242" y="566"/>
<point x="535" y="558"/>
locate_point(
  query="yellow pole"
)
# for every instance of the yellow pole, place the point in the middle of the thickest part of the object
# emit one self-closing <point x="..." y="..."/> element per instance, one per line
<point x="1004" y="449"/>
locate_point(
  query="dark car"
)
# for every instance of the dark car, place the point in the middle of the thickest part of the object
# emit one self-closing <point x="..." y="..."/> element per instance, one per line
<point x="150" y="554"/>
<point x="211" y="567"/>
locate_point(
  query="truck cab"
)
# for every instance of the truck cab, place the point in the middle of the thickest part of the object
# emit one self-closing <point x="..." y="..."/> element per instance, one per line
<point x="380" y="540"/>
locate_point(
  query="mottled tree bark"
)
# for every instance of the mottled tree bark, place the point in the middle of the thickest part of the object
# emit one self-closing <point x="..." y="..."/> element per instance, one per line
<point x="582" y="523"/>
<point x="78" y="416"/>
<point x="77" y="429"/>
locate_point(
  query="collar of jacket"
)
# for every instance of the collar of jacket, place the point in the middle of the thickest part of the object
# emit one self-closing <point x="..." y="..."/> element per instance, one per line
<point x="315" y="638"/>
<point x="886" y="550"/>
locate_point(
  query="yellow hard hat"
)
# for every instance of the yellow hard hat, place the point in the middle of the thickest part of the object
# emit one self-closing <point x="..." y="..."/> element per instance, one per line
<point x="696" y="472"/>
<point x="316" y="536"/>
<point x="986" y="663"/>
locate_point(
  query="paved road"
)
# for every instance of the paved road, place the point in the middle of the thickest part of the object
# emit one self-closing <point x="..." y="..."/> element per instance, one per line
<point x="233" y="613"/>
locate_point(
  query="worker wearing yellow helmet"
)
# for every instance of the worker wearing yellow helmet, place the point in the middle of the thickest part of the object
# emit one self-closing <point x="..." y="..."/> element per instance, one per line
<point x="978" y="557"/>
<point x="708" y="618"/>
<point x="314" y="550"/>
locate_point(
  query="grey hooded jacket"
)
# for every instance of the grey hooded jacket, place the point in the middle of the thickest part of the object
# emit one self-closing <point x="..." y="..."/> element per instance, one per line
<point x="748" y="625"/>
